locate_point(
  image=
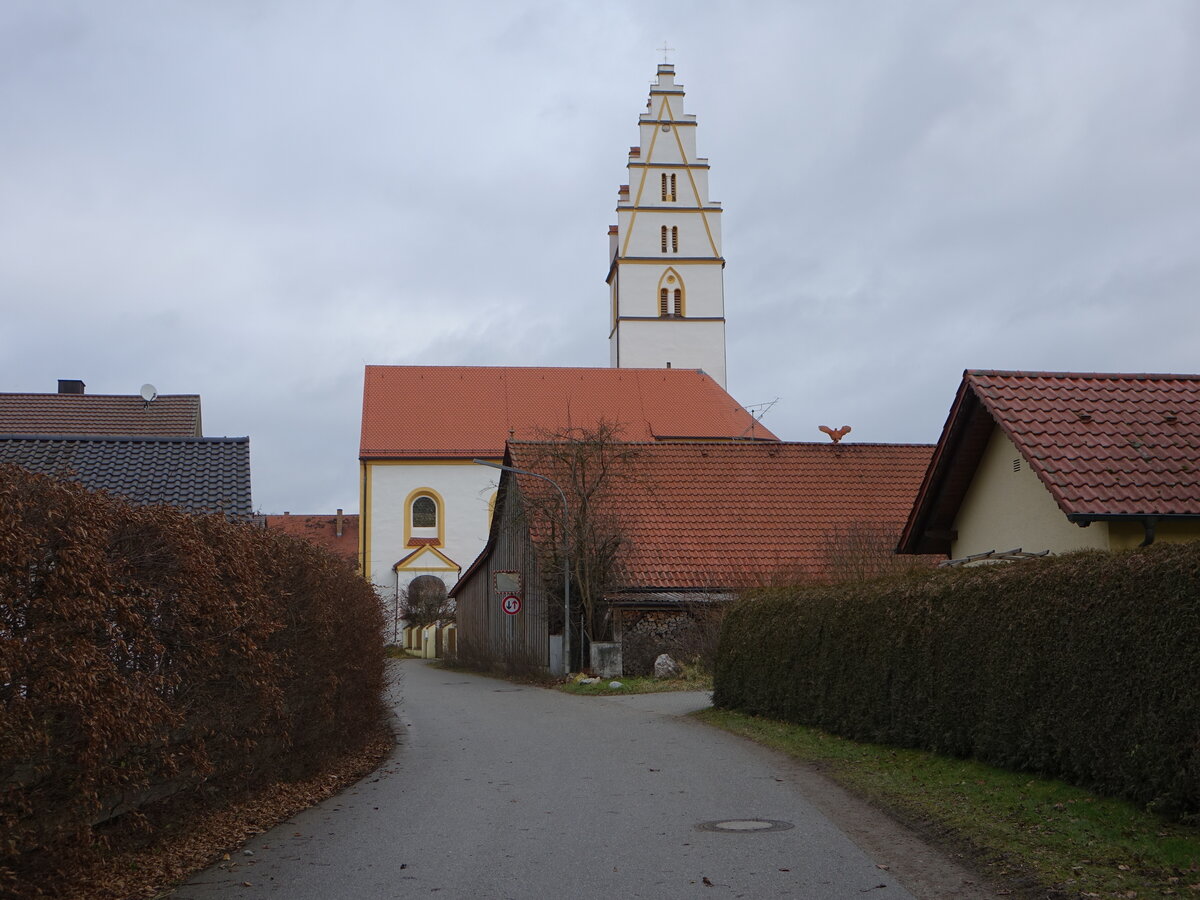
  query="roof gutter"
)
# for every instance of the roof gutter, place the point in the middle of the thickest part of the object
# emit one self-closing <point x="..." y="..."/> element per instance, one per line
<point x="1149" y="523"/>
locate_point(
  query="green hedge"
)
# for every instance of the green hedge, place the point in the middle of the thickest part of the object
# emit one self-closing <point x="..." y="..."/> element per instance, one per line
<point x="1084" y="667"/>
<point x="149" y="657"/>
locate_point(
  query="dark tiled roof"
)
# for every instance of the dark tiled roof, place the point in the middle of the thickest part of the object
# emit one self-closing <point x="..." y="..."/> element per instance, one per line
<point x="204" y="475"/>
<point x="459" y="412"/>
<point x="321" y="530"/>
<point x="102" y="414"/>
<point x="728" y="515"/>
<point x="1104" y="445"/>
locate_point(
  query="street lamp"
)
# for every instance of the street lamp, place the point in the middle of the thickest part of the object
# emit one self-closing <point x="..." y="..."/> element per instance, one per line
<point x="565" y="554"/>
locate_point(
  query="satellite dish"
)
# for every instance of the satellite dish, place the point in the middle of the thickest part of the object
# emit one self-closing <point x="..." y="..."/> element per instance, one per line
<point x="149" y="392"/>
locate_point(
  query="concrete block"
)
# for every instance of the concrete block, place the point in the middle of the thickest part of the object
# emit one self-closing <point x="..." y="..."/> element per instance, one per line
<point x="606" y="659"/>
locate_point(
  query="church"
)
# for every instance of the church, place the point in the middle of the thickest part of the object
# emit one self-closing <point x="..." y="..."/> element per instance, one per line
<point x="425" y="505"/>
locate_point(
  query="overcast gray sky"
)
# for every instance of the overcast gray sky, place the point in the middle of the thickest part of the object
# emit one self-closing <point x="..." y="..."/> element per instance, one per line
<point x="252" y="199"/>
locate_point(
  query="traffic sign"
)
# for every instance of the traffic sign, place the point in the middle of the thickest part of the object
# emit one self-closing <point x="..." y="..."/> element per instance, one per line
<point x="511" y="604"/>
<point x="507" y="582"/>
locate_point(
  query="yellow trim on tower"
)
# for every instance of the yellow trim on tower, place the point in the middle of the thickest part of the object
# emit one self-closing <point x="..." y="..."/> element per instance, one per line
<point x="641" y="184"/>
<point x="695" y="190"/>
<point x="658" y="260"/>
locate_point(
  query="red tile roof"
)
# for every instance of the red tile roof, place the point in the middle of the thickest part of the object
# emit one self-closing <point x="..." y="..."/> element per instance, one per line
<point x="460" y="412"/>
<point x="320" y="530"/>
<point x="1104" y="445"/>
<point x="731" y="515"/>
<point x="100" y="414"/>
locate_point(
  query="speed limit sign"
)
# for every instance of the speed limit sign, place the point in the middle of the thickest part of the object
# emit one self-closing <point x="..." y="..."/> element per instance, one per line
<point x="511" y="604"/>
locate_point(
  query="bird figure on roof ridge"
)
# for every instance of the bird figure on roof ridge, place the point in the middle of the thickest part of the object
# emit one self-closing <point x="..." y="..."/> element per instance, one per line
<point x="835" y="434"/>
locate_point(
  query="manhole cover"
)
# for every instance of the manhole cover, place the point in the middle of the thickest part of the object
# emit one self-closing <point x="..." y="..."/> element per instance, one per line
<point x="745" y="825"/>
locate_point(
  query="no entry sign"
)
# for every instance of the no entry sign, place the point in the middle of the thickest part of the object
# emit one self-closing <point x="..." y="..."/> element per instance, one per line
<point x="511" y="604"/>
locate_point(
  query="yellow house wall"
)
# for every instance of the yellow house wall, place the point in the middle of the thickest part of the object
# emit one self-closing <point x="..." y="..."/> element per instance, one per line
<point x="1126" y="535"/>
<point x="1003" y="510"/>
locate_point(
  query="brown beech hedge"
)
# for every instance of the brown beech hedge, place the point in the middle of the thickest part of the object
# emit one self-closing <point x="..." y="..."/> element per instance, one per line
<point x="149" y="657"/>
<point x="1084" y="667"/>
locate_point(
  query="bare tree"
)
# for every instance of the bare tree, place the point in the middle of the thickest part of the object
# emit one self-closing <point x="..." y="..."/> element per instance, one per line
<point x="424" y="602"/>
<point x="592" y="466"/>
<point x="861" y="551"/>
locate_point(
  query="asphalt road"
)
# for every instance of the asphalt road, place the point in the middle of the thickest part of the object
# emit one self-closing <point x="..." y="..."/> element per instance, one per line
<point x="498" y="790"/>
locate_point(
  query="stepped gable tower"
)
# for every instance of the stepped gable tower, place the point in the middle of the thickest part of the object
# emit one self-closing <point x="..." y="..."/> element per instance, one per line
<point x="665" y="273"/>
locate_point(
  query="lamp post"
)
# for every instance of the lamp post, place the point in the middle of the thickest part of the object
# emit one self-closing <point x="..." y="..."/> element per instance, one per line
<point x="565" y="553"/>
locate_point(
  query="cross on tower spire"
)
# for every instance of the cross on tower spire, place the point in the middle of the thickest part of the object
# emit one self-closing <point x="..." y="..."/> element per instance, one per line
<point x="665" y="50"/>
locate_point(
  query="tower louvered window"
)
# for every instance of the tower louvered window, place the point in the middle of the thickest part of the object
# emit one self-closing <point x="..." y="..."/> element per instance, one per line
<point x="664" y="239"/>
<point x="662" y="302"/>
<point x="678" y="302"/>
<point x="674" y="239"/>
<point x="668" y="186"/>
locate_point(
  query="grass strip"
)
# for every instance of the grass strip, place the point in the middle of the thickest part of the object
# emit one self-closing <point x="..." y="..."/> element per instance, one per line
<point x="1014" y="824"/>
<point x="637" y="684"/>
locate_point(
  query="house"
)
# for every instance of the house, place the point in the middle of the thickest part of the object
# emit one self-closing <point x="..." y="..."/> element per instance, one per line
<point x="72" y="411"/>
<point x="147" y="451"/>
<point x="1060" y="461"/>
<point x="337" y="533"/>
<point x="698" y="521"/>
<point x="425" y="506"/>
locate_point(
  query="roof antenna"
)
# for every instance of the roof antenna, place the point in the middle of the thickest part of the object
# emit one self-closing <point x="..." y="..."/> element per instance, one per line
<point x="756" y="411"/>
<point x="149" y="392"/>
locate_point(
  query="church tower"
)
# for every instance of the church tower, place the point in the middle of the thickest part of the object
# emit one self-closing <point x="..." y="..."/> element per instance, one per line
<point x="665" y="273"/>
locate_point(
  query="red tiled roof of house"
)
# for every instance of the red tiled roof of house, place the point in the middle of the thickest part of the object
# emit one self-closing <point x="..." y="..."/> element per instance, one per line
<point x="1104" y="445"/>
<point x="100" y="414"/>
<point x="732" y="515"/>
<point x="460" y="412"/>
<point x="321" y="530"/>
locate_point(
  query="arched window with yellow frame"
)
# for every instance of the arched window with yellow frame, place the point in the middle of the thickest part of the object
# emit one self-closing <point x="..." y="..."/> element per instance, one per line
<point x="424" y="518"/>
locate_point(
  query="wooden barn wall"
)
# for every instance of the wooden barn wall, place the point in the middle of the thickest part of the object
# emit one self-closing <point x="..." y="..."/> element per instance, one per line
<point x="485" y="632"/>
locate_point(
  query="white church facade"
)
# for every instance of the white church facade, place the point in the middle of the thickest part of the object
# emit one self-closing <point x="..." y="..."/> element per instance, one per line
<point x="425" y="506"/>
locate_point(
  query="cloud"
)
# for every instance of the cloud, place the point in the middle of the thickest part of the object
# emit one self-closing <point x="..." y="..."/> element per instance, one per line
<point x="251" y="201"/>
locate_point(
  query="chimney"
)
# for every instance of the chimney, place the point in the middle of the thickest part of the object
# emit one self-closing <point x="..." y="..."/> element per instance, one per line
<point x="338" y="529"/>
<point x="70" y="386"/>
